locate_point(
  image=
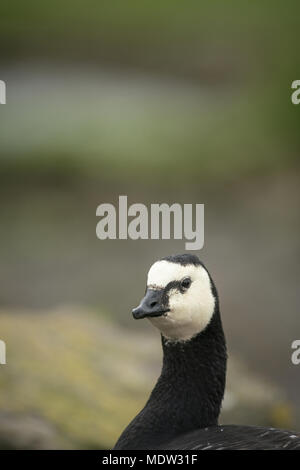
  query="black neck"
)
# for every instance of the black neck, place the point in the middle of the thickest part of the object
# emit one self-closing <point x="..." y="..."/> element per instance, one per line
<point x="188" y="393"/>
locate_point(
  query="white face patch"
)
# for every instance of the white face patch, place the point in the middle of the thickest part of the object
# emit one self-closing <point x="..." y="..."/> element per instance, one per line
<point x="191" y="311"/>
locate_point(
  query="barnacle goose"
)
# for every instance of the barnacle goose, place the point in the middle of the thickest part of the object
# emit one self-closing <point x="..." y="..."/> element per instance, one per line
<point x="182" y="411"/>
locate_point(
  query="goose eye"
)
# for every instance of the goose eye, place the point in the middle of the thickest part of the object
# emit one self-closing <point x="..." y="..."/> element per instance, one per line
<point x="186" y="282"/>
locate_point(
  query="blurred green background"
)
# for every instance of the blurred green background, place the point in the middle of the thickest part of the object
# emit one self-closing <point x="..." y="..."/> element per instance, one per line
<point x="164" y="102"/>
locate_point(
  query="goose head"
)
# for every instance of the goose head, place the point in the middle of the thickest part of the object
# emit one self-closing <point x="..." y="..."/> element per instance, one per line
<point x="180" y="297"/>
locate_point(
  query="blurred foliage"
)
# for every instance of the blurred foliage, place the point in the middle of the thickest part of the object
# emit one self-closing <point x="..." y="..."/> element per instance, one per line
<point x="207" y="96"/>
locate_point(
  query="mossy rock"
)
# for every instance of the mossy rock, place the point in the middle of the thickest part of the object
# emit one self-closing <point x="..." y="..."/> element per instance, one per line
<point x="74" y="370"/>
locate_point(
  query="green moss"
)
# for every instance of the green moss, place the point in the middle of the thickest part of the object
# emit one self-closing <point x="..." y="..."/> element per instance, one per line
<point x="60" y="367"/>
